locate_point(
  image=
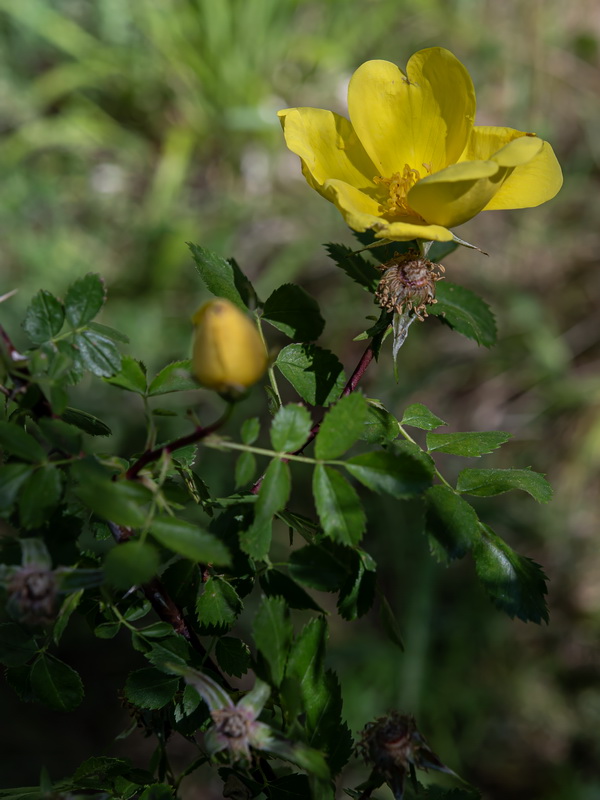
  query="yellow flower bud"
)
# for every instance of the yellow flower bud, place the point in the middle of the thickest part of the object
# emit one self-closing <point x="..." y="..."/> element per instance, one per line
<point x="228" y="353"/>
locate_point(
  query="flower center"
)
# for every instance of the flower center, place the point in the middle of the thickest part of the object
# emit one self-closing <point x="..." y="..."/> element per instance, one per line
<point x="231" y="722"/>
<point x="398" y="187"/>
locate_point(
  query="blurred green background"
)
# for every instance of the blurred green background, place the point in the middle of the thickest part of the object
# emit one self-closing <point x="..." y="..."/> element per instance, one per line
<point x="129" y="128"/>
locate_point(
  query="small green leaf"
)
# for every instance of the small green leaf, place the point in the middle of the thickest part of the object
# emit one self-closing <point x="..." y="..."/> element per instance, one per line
<point x="304" y="669"/>
<point x="319" y="693"/>
<point x="132" y="376"/>
<point x="338" y="506"/>
<point x="488" y="482"/>
<point x="100" y="772"/>
<point x="451" y="521"/>
<point x="316" y="374"/>
<point x="470" y="444"/>
<point x="84" y="299"/>
<point x="341" y="427"/>
<point x="19" y="679"/>
<point x="233" y="656"/>
<point x="290" y="428"/>
<point x="56" y="684"/>
<point x="150" y="688"/>
<point x="157" y="630"/>
<point x="223" y="278"/>
<point x="272" y="497"/>
<point x="389" y="622"/>
<point x="294" y="312"/>
<point x="39" y="495"/>
<point x="86" y="422"/>
<point x="184" y="457"/>
<point x="121" y="502"/>
<point x="219" y="605"/>
<point x="60" y="435"/>
<point x="272" y="630"/>
<point x="110" y="333"/>
<point x="71" y="602"/>
<point x="107" y="630"/>
<point x="398" y="474"/>
<point x="245" y="469"/>
<point x="71" y="579"/>
<point x="319" y="566"/>
<point x="277" y="584"/>
<point x="465" y="312"/>
<point x="419" y="416"/>
<point x="131" y="564"/>
<point x="256" y="541"/>
<point x="357" y="592"/>
<point x="250" y="430"/>
<point x="17" y="442"/>
<point x="189" y="540"/>
<point x="175" y="377"/>
<point x="16" y="646"/>
<point x="44" y="318"/>
<point x="354" y="265"/>
<point x="516" y="584"/>
<point x="380" y="426"/>
<point x="158" y="791"/>
<point x="97" y="353"/>
<point x="12" y="477"/>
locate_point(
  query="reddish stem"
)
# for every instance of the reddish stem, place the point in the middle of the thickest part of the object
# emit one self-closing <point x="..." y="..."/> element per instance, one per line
<point x="166" y="608"/>
<point x="153" y="455"/>
<point x="360" y="370"/>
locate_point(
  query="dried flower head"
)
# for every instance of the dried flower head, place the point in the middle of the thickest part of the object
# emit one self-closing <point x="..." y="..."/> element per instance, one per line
<point x="237" y="732"/>
<point x="234" y="728"/>
<point x="394" y="747"/>
<point x="32" y="593"/>
<point x="408" y="283"/>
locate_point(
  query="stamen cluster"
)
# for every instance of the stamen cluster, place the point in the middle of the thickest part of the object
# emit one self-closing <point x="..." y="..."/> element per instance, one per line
<point x="398" y="187"/>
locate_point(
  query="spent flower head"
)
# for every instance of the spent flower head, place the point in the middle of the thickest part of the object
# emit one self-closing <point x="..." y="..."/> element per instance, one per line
<point x="394" y="747"/>
<point x="411" y="163"/>
<point x="236" y="730"/>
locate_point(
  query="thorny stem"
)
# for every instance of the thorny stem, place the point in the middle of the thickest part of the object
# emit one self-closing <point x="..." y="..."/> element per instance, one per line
<point x="360" y="370"/>
<point x="196" y="435"/>
<point x="166" y="608"/>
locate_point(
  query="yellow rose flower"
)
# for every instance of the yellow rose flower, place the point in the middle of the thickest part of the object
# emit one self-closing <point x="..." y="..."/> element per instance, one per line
<point x="411" y="163"/>
<point x="228" y="353"/>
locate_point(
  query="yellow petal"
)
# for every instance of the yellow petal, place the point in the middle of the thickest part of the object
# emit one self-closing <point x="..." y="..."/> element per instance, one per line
<point x="518" y="152"/>
<point x="362" y="212"/>
<point x="485" y="140"/>
<point x="328" y="147"/>
<point x="531" y="184"/>
<point x="457" y="193"/>
<point x="405" y="231"/>
<point x="423" y="118"/>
